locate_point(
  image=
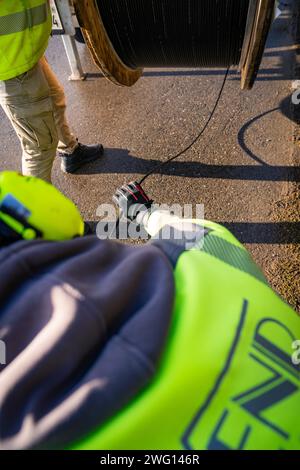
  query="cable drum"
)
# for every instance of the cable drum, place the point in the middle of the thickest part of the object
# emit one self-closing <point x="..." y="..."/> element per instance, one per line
<point x="125" y="36"/>
<point x="176" y="33"/>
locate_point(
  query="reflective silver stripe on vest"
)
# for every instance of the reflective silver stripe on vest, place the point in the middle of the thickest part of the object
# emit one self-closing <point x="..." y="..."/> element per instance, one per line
<point x="231" y="254"/>
<point x="22" y="20"/>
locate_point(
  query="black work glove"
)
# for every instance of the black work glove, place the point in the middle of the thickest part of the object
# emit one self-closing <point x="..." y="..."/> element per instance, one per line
<point x="132" y="200"/>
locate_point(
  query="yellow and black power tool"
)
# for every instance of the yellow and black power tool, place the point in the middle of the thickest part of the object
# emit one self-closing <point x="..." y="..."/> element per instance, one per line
<point x="30" y="209"/>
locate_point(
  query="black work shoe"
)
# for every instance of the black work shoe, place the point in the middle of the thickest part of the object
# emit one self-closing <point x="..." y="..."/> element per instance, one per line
<point x="82" y="154"/>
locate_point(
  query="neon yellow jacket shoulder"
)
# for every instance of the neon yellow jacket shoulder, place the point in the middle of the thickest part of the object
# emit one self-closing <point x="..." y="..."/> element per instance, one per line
<point x="227" y="378"/>
<point x="25" y="27"/>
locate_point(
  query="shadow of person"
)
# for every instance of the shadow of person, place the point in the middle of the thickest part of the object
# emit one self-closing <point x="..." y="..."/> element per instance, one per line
<point x="121" y="161"/>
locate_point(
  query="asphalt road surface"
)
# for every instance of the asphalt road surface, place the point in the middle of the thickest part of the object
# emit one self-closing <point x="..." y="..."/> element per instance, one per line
<point x="244" y="170"/>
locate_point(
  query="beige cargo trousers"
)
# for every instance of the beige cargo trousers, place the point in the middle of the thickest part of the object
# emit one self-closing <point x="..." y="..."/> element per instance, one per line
<point x="35" y="104"/>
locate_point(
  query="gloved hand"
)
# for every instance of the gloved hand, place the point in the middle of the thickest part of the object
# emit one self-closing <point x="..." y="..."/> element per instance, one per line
<point x="132" y="200"/>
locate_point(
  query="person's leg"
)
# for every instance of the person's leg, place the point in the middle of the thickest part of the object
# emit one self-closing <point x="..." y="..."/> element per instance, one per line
<point x="26" y="101"/>
<point x="67" y="141"/>
<point x="73" y="154"/>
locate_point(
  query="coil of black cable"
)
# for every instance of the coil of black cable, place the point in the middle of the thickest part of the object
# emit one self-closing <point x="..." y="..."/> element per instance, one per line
<point x="176" y="33"/>
<point x="124" y="36"/>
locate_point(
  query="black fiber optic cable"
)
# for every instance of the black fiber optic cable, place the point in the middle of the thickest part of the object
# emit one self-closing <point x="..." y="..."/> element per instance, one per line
<point x="188" y="147"/>
<point x="198" y="136"/>
<point x="176" y="33"/>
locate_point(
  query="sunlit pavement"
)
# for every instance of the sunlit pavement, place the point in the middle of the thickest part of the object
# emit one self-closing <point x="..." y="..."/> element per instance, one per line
<point x="244" y="164"/>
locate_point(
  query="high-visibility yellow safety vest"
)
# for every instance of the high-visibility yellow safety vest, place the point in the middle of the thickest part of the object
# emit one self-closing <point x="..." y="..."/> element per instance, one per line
<point x="229" y="377"/>
<point x="25" y="27"/>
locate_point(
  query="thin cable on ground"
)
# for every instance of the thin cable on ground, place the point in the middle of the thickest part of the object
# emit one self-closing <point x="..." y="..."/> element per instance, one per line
<point x="174" y="157"/>
<point x="169" y="160"/>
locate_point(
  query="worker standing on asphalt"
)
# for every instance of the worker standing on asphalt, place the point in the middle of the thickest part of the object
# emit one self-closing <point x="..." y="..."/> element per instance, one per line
<point x="30" y="93"/>
<point x="161" y="346"/>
